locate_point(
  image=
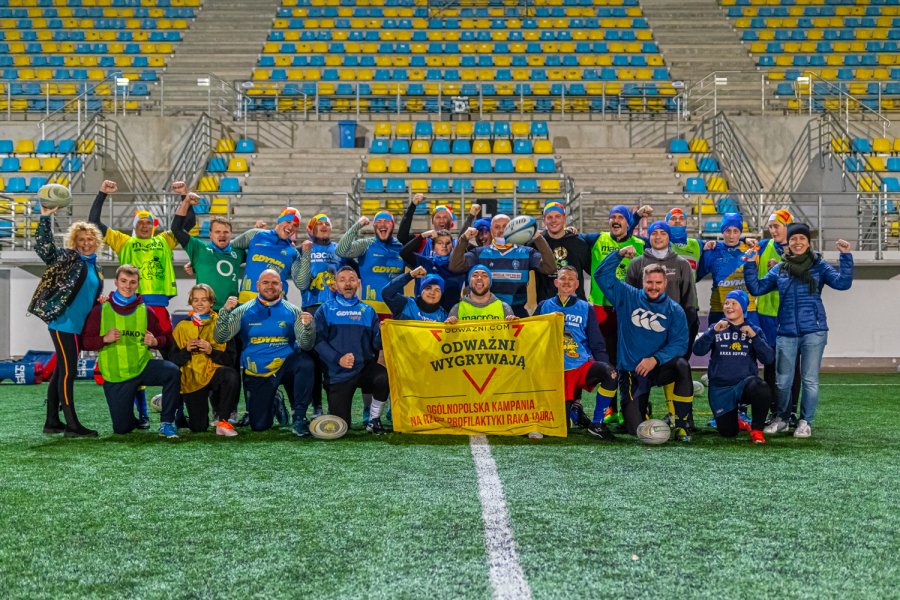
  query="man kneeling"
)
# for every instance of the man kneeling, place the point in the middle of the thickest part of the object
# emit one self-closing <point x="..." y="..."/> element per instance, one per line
<point x="123" y="331"/>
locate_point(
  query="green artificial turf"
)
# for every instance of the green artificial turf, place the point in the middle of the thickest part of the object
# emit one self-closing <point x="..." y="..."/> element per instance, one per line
<point x="269" y="515"/>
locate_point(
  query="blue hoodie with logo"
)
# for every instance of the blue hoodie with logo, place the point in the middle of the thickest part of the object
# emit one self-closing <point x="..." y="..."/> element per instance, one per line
<point x="346" y="325"/>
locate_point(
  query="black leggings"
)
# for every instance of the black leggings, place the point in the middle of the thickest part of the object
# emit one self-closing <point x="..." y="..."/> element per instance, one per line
<point x="758" y="395"/>
<point x="599" y="373"/>
<point x="635" y="392"/>
<point x="223" y="384"/>
<point x="372" y="379"/>
<point x="59" y="393"/>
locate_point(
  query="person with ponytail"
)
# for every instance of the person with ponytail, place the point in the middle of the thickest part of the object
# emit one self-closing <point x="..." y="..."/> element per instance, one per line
<point x="64" y="297"/>
<point x="802" y="326"/>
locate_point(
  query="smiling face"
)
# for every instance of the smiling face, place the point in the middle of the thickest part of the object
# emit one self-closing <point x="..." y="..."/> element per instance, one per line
<point x="555" y="222"/>
<point x="443" y="244"/>
<point x="286" y="229"/>
<point x="733" y="311"/>
<point x="731" y="236"/>
<point x="200" y="302"/>
<point x="143" y="229"/>
<point x="654" y="285"/>
<point x="432" y="294"/>
<point x="498" y="224"/>
<point x="346" y="283"/>
<point x="322" y="230"/>
<point x="126" y="284"/>
<point x="85" y="243"/>
<point x="480" y="283"/>
<point x="269" y="285"/>
<point x="659" y="239"/>
<point x="618" y="226"/>
<point x="442" y="220"/>
<point x="220" y="235"/>
<point x="566" y="282"/>
<point x="798" y="244"/>
<point x="384" y="229"/>
<point x="778" y="231"/>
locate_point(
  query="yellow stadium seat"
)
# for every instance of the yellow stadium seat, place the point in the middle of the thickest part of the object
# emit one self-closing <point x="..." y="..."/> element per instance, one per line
<point x="867" y="184"/>
<point x="464" y="129"/>
<point x="225" y="145"/>
<point x="717" y="184"/>
<point x="686" y="165"/>
<point x="30" y="164"/>
<point x="50" y="164"/>
<point x="840" y="146"/>
<point x="218" y="206"/>
<point x="443" y="129"/>
<point x="421" y="147"/>
<point x="208" y="183"/>
<point x="397" y="165"/>
<point x="481" y="147"/>
<point x="461" y="165"/>
<point x="875" y="164"/>
<point x="524" y="165"/>
<point x="895" y="229"/>
<point x="382" y="129"/>
<point x="520" y="129"/>
<point x="238" y="165"/>
<point x="418" y="186"/>
<point x="543" y="147"/>
<point x="502" y="147"/>
<point x="550" y="186"/>
<point x="505" y="186"/>
<point x="698" y="146"/>
<point x="404" y="129"/>
<point x="376" y="165"/>
<point x="440" y="165"/>
<point x="484" y="186"/>
<point x="881" y="145"/>
<point x="24" y="147"/>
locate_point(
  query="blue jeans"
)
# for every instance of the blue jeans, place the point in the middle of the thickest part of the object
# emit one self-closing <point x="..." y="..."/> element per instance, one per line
<point x="811" y="347"/>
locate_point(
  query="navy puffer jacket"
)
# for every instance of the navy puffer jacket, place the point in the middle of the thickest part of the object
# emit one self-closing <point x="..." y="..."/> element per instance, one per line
<point x="800" y="312"/>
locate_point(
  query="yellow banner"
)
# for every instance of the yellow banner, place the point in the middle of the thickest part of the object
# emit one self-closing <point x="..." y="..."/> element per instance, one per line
<point x="477" y="377"/>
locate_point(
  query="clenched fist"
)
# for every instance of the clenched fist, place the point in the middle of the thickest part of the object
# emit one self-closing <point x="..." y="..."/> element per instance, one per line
<point x="230" y="303"/>
<point x="109" y="187"/>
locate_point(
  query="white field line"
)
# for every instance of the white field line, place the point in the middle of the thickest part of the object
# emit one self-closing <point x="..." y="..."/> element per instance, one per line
<point x="506" y="575"/>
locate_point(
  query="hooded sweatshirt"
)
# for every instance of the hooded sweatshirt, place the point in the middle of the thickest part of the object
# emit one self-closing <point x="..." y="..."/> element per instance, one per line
<point x="680" y="285"/>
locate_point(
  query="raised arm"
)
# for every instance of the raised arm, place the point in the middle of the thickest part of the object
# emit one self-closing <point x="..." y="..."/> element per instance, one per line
<point x="403" y="229"/>
<point x="351" y="247"/>
<point x="228" y="323"/>
<point x="392" y="294"/>
<point x="106" y="188"/>
<point x="243" y="241"/>
<point x="43" y="237"/>
<point x="547" y="264"/>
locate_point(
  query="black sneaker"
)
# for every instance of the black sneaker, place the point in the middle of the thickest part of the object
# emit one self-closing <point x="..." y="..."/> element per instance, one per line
<point x="143" y="422"/>
<point x="281" y="412"/>
<point x="80" y="431"/>
<point x="243" y="421"/>
<point x="374" y="426"/>
<point x="601" y="430"/>
<point x="792" y="422"/>
<point x="57" y="427"/>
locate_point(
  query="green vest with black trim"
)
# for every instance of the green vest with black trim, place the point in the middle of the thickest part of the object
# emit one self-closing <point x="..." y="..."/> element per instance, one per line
<point x="126" y="358"/>
<point x="767" y="304"/>
<point x="605" y="245"/>
<point x="468" y="312"/>
<point x="691" y="251"/>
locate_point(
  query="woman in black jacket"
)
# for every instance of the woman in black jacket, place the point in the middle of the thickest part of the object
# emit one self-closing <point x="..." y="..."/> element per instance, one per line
<point x="64" y="297"/>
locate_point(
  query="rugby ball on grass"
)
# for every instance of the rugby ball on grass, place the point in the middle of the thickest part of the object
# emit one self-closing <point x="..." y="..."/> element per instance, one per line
<point x="328" y="427"/>
<point x="698" y="388"/>
<point x="54" y="195"/>
<point x="156" y="403"/>
<point x="520" y="230"/>
<point x="654" y="432"/>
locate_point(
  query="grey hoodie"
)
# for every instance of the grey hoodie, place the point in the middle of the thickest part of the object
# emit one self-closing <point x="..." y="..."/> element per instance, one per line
<point x="680" y="285"/>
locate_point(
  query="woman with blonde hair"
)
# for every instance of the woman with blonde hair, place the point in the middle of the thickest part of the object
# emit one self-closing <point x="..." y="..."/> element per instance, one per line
<point x="65" y="295"/>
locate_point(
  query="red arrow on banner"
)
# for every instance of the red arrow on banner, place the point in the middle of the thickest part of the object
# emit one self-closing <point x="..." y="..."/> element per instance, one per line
<point x="518" y="329"/>
<point x="480" y="388"/>
<point x="436" y="333"/>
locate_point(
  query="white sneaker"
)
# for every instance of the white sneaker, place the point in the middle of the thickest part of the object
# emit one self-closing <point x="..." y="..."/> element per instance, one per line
<point x="777" y="426"/>
<point x="803" y="429"/>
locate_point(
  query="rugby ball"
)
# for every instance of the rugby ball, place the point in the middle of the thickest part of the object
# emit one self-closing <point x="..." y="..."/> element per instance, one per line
<point x="328" y="427"/>
<point x="698" y="388"/>
<point x="654" y="431"/>
<point x="520" y="230"/>
<point x="54" y="195"/>
<point x="156" y="403"/>
<point x="705" y="379"/>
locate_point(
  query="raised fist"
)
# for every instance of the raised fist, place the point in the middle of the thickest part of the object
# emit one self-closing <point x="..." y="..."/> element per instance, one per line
<point x="193" y="199"/>
<point x="709" y="245"/>
<point x="306" y="318"/>
<point x="260" y="224"/>
<point x="109" y="187"/>
<point x="418" y="273"/>
<point x="189" y="269"/>
<point x="306" y="246"/>
<point x="721" y="325"/>
<point x="230" y="303"/>
<point x="748" y="331"/>
<point x="417" y="199"/>
<point x="470" y="233"/>
<point x="475" y="210"/>
<point x="645" y="211"/>
<point x="179" y="187"/>
<point x="627" y="252"/>
<point x="346" y="361"/>
<point x="363" y="221"/>
<point x="451" y="320"/>
<point x="843" y="246"/>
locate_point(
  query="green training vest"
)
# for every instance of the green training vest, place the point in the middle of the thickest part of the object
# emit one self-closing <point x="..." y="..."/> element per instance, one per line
<point x="604" y="246"/>
<point x="467" y="312"/>
<point x="691" y="251"/>
<point x="125" y="359"/>
<point x="767" y="304"/>
<point x="154" y="259"/>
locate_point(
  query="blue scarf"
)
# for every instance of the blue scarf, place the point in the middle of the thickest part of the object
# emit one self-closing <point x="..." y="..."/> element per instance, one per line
<point x="120" y="300"/>
<point x="351" y="301"/>
<point x="440" y="261"/>
<point x="678" y="234"/>
<point x="215" y="248"/>
<point x="91" y="259"/>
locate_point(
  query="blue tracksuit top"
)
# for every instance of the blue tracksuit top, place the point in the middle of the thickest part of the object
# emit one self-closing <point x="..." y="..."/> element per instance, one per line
<point x="324" y="263"/>
<point x="346" y="325"/>
<point x="510" y="270"/>
<point x="646" y="328"/>
<point x="268" y="251"/>
<point x="582" y="340"/>
<point x="380" y="263"/>
<point x="734" y="353"/>
<point x="406" y="308"/>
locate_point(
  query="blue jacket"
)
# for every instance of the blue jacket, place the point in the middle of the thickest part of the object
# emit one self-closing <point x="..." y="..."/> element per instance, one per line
<point x="346" y="326"/>
<point x="582" y="340"/>
<point x="734" y="353"/>
<point x="646" y="328"/>
<point x="800" y="312"/>
<point x="405" y="308"/>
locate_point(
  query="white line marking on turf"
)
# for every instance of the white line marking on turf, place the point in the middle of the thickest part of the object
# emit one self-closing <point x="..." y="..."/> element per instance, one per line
<point x="859" y="384"/>
<point x="507" y="577"/>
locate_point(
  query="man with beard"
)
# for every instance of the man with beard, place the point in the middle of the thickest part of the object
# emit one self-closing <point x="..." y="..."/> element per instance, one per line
<point x="378" y="257"/>
<point x="442" y="217"/>
<point x="480" y="303"/>
<point x="269" y="249"/>
<point x="569" y="248"/>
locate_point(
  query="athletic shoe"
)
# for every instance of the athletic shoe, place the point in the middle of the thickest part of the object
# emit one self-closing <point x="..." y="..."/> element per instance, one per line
<point x="301" y="428"/>
<point x="375" y="426"/>
<point x="281" y="412"/>
<point x="168" y="430"/>
<point x="225" y="428"/>
<point x="143" y="422"/>
<point x="535" y="435"/>
<point x="792" y="421"/>
<point x="601" y="430"/>
<point x="712" y="423"/>
<point x="803" y="429"/>
<point x="80" y="431"/>
<point x="682" y="435"/>
<point x="756" y="436"/>
<point x="57" y="427"/>
<point x="317" y="412"/>
<point x="243" y="421"/>
<point x="610" y="417"/>
<point x="776" y="426"/>
<point x="743" y="422"/>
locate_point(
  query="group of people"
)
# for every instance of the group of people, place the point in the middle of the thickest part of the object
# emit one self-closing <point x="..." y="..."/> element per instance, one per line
<point x="630" y="306"/>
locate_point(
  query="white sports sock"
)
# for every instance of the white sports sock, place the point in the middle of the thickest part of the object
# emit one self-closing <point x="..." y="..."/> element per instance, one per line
<point x="375" y="411"/>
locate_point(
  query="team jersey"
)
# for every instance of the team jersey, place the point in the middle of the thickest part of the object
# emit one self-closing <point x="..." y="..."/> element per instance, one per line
<point x="582" y="341"/>
<point x="379" y="262"/>
<point x="200" y="368"/>
<point x="346" y="326"/>
<point x="690" y="250"/>
<point x="220" y="269"/>
<point x="493" y="309"/>
<point x="605" y="245"/>
<point x="153" y="256"/>
<point x="510" y="270"/>
<point x="726" y="266"/>
<point x="317" y="270"/>
<point x="265" y="250"/>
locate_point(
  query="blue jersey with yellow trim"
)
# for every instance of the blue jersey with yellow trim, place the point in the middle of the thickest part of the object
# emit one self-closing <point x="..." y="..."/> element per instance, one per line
<point x="267" y="334"/>
<point x="324" y="264"/>
<point x="268" y="251"/>
<point x="380" y="263"/>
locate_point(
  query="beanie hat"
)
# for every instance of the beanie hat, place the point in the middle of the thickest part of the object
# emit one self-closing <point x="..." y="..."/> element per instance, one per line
<point x="289" y="215"/>
<point x="554" y="207"/>
<point x="144" y="214"/>
<point x="659" y="225"/>
<point x="622" y="210"/>
<point x="741" y="297"/>
<point x="673" y="212"/>
<point x="311" y="225"/>
<point x="384" y="214"/>
<point x="444" y="208"/>
<point x="801" y="228"/>
<point x="732" y="220"/>
<point x="783" y="216"/>
<point x="482" y="224"/>
<point x="433" y="279"/>
<point x="480" y="268"/>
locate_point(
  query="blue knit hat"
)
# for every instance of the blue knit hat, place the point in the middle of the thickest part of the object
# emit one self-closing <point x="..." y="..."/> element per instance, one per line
<point x="480" y="268"/>
<point x="732" y="220"/>
<point x="482" y="224"/>
<point x="741" y="297"/>
<point x="622" y="210"/>
<point x="433" y="279"/>
<point x="659" y="225"/>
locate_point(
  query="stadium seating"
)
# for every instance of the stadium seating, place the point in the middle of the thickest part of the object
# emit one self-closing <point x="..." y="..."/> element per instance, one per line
<point x="546" y="56"/>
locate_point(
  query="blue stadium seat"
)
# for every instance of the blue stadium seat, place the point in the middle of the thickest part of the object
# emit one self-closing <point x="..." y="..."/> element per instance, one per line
<point x="481" y="165"/>
<point x="10" y="164"/>
<point x="861" y="145"/>
<point x="440" y="146"/>
<point x="245" y="146"/>
<point x="504" y="165"/>
<point x="16" y="185"/>
<point x="400" y="146"/>
<point x="373" y="186"/>
<point x="679" y="146"/>
<point x="482" y="129"/>
<point x="379" y="146"/>
<point x="527" y="186"/>
<point x="546" y="165"/>
<point x="461" y="147"/>
<point x="539" y="129"/>
<point x="396" y="186"/>
<point x="707" y="164"/>
<point x="418" y="165"/>
<point x="230" y="185"/>
<point x="424" y="129"/>
<point x="439" y="186"/>
<point x="462" y="185"/>
<point x="522" y="147"/>
<point x="46" y="147"/>
<point x="35" y="183"/>
<point x="695" y="185"/>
